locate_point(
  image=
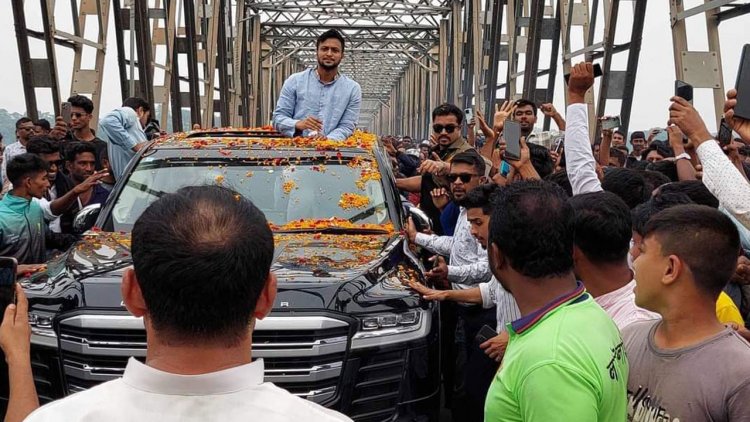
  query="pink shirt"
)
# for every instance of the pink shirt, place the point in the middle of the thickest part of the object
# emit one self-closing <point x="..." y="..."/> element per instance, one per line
<point x="620" y="306"/>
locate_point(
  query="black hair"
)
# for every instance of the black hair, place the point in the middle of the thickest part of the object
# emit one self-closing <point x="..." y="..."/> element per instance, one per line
<point x="532" y="224"/>
<point x="331" y="33"/>
<point x="481" y="197"/>
<point x="541" y="160"/>
<point x="202" y="256"/>
<point x="523" y="102"/>
<point x="135" y="103"/>
<point x="654" y="179"/>
<point x="43" y="145"/>
<point x="657" y="146"/>
<point x="666" y="167"/>
<point x="603" y="226"/>
<point x="472" y="158"/>
<point x="446" y="109"/>
<point x="638" y="165"/>
<point x="619" y="155"/>
<point x="694" y="189"/>
<point x="83" y="102"/>
<point x="24" y="165"/>
<point x="43" y="123"/>
<point x="628" y="184"/>
<point x="560" y="178"/>
<point x="75" y="148"/>
<point x="709" y="230"/>
<point x="643" y="212"/>
<point x="620" y="132"/>
<point x="21" y="121"/>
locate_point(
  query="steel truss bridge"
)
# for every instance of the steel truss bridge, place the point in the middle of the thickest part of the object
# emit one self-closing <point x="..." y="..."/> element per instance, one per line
<point x="226" y="60"/>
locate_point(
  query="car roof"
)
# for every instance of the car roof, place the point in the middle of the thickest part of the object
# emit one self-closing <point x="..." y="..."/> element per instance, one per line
<point x="258" y="139"/>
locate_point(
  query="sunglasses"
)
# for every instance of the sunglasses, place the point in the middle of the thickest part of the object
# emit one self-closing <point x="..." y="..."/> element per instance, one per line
<point x="465" y="178"/>
<point x="448" y="128"/>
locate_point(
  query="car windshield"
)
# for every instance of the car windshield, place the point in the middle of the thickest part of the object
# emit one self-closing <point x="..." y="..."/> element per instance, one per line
<point x="347" y="192"/>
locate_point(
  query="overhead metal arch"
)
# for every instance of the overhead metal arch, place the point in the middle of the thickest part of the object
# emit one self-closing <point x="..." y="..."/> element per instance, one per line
<point x="225" y="61"/>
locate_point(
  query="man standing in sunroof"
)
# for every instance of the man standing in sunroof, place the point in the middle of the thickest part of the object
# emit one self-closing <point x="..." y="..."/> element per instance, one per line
<point x="320" y="101"/>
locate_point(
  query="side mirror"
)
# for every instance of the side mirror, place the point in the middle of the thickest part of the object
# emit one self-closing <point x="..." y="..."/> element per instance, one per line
<point x="421" y="220"/>
<point x="86" y="218"/>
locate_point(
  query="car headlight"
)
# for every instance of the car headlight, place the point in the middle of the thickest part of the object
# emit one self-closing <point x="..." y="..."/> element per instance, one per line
<point x="389" y="328"/>
<point x="42" y="332"/>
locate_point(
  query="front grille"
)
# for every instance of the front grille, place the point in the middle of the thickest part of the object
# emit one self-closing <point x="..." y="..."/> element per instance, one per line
<point x="46" y="370"/>
<point x="304" y="355"/>
<point x="376" y="392"/>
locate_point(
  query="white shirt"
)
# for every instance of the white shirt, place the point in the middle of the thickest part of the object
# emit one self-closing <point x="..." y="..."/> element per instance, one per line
<point x="620" y="306"/>
<point x="16" y="148"/>
<point x="507" y="310"/>
<point x="579" y="160"/>
<point x="147" y="394"/>
<point x="468" y="265"/>
<point x="725" y="182"/>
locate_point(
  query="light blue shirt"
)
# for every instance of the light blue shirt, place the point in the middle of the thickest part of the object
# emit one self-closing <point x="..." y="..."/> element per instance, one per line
<point x="122" y="131"/>
<point x="335" y="103"/>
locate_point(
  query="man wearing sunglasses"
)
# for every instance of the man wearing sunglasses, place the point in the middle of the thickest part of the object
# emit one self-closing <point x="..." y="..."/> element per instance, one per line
<point x="467" y="266"/>
<point x="446" y="131"/>
<point x="81" y="111"/>
<point x="48" y="149"/>
<point x="24" y="132"/>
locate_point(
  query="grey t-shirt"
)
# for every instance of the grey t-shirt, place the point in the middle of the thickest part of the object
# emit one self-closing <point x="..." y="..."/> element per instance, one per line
<point x="706" y="382"/>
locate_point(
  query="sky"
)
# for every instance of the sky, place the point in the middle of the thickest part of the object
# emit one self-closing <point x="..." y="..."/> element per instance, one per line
<point x="654" y="83"/>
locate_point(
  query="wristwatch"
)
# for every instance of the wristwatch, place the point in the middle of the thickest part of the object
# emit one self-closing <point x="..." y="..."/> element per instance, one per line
<point x="683" y="156"/>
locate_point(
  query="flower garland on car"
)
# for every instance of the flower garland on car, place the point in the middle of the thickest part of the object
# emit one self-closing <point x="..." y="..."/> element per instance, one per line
<point x="359" y="139"/>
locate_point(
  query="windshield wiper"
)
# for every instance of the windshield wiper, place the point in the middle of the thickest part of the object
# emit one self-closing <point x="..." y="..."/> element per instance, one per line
<point x="335" y="230"/>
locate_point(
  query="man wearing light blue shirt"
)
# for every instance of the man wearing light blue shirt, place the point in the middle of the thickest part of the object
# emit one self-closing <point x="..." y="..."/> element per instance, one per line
<point x="320" y="101"/>
<point x="122" y="129"/>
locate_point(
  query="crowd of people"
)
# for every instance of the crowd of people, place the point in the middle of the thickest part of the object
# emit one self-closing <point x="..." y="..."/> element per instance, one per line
<point x="603" y="279"/>
<point x="618" y="274"/>
<point x="49" y="174"/>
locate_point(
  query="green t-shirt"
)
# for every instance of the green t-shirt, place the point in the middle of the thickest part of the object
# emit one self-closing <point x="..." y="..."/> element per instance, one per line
<point x="564" y="362"/>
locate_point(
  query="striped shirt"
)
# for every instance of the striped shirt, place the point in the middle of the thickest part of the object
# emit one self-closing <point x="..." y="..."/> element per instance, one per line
<point x="507" y="310"/>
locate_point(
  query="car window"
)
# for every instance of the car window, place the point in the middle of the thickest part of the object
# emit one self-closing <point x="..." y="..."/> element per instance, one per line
<point x="344" y="189"/>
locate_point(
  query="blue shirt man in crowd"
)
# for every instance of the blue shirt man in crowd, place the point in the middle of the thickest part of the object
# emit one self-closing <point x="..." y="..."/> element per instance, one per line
<point x="320" y="101"/>
<point x="122" y="129"/>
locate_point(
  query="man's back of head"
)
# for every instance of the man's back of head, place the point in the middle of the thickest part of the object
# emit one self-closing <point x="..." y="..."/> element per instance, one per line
<point x="628" y="184"/>
<point x="202" y="257"/>
<point x="603" y="227"/>
<point x="532" y="226"/>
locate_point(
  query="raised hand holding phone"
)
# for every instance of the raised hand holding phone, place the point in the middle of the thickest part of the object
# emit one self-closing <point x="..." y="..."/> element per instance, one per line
<point x="8" y="270"/>
<point x="512" y="135"/>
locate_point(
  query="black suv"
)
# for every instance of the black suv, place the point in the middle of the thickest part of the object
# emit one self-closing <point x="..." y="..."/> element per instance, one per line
<point x="344" y="332"/>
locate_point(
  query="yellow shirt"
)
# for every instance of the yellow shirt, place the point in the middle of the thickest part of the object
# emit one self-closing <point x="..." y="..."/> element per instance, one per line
<point x="727" y="311"/>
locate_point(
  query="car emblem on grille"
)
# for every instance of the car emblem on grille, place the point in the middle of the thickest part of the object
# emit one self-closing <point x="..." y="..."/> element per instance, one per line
<point x="284" y="304"/>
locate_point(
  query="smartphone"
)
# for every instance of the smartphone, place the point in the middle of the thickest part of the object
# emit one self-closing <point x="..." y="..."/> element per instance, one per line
<point x="683" y="90"/>
<point x="485" y="333"/>
<point x="559" y="143"/>
<point x="65" y="111"/>
<point x="597" y="72"/>
<point x="742" y="109"/>
<point x="504" y="169"/>
<point x="611" y="122"/>
<point x="512" y="135"/>
<point x="8" y="268"/>
<point x="725" y="134"/>
<point x="469" y="114"/>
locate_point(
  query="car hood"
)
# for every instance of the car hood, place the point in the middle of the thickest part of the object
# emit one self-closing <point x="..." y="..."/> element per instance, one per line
<point x="348" y="273"/>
